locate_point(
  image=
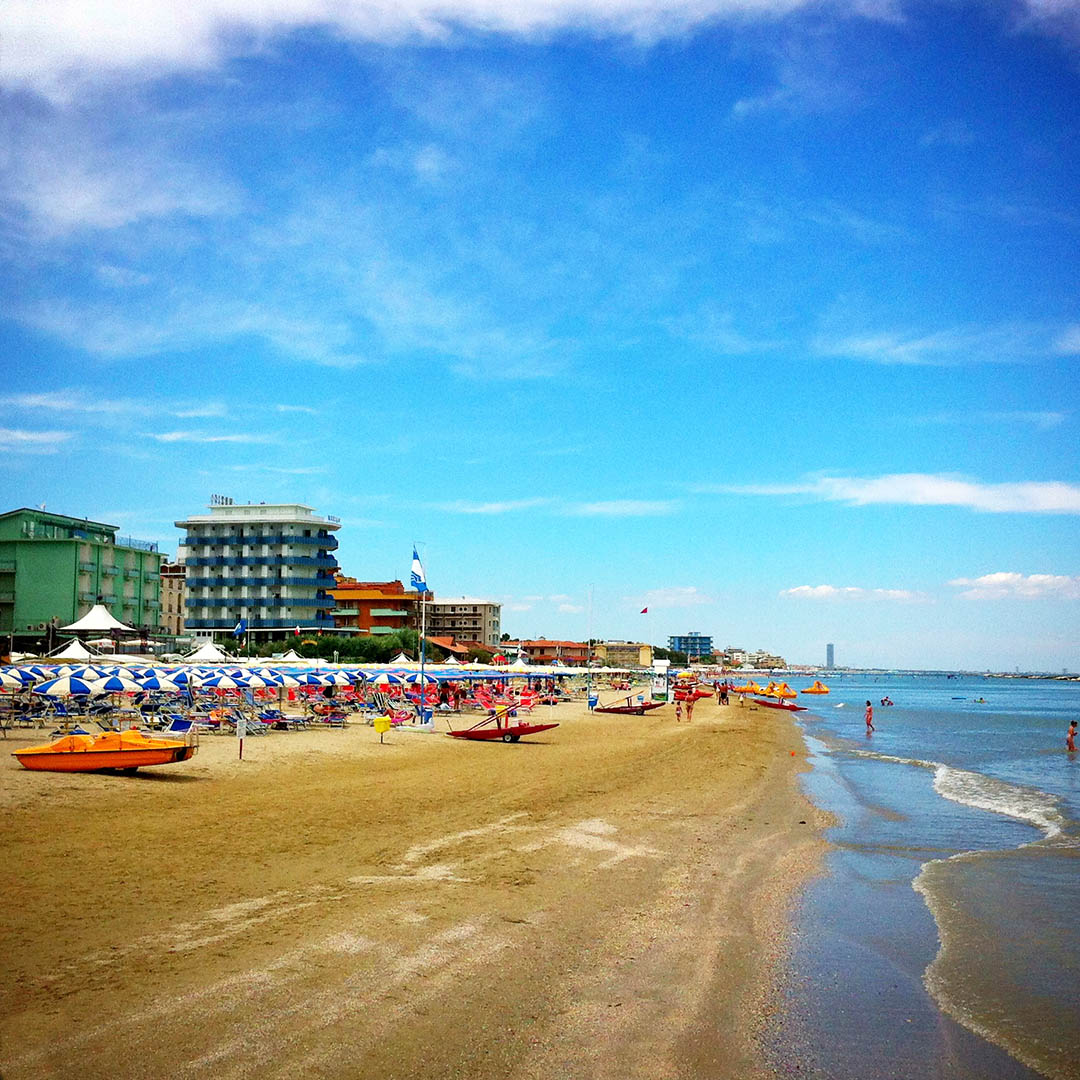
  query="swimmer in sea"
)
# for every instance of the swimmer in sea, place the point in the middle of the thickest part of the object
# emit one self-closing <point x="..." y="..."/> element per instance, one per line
<point x="869" y="718"/>
<point x="1070" y="737"/>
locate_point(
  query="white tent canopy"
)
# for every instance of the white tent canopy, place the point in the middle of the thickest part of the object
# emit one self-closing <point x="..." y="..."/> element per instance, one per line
<point x="291" y="655"/>
<point x="208" y="653"/>
<point x="73" y="650"/>
<point x="97" y="619"/>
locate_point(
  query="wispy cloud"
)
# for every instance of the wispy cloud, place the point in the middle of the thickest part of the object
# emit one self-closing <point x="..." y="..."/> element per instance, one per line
<point x="1005" y="585"/>
<point x="673" y="596"/>
<point x="279" y="470"/>
<point x="851" y="592"/>
<point x="52" y="51"/>
<point x="92" y="401"/>
<point x="206" y="437"/>
<point x="623" y="508"/>
<point x="953" y="132"/>
<point x="508" y="506"/>
<point x="1044" y="421"/>
<point x="958" y="345"/>
<point x="297" y="409"/>
<point x="924" y="489"/>
<point x="20" y="441"/>
<point x="1067" y="343"/>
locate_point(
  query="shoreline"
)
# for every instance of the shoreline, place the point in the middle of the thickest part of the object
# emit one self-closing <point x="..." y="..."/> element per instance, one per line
<point x="611" y="898"/>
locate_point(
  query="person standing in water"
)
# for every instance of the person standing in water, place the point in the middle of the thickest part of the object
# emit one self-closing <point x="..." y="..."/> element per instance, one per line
<point x="1070" y="737"/>
<point x="869" y="718"/>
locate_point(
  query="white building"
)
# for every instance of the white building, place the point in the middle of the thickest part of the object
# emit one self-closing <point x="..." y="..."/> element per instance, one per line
<point x="466" y="619"/>
<point x="267" y="563"/>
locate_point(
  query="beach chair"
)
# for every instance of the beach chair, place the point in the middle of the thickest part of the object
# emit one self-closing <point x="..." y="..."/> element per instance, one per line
<point x="178" y="725"/>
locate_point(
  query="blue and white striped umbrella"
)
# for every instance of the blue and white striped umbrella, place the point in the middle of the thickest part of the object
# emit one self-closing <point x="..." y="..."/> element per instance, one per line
<point x="415" y="677"/>
<point x="223" y="682"/>
<point x="118" y="684"/>
<point x="387" y="678"/>
<point x="160" y="682"/>
<point x="67" y="686"/>
<point x="21" y="675"/>
<point x="337" y="678"/>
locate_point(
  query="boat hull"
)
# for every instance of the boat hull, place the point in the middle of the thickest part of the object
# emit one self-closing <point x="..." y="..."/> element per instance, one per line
<point x="510" y="733"/>
<point x="779" y="705"/>
<point x="113" y="751"/>
<point x="630" y="710"/>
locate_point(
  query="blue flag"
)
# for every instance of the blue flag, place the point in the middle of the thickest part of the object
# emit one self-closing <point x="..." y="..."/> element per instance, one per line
<point x="240" y="629"/>
<point x="417" y="581"/>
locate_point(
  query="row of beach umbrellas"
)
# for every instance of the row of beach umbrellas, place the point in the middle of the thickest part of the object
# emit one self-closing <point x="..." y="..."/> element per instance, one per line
<point x="89" y="680"/>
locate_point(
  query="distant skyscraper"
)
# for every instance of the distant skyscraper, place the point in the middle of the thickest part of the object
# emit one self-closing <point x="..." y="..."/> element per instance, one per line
<point x="829" y="657"/>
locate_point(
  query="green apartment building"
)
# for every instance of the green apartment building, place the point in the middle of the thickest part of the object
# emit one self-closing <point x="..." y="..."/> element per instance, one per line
<point x="57" y="567"/>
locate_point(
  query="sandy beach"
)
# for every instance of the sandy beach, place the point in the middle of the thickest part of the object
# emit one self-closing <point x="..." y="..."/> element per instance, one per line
<point x="608" y="899"/>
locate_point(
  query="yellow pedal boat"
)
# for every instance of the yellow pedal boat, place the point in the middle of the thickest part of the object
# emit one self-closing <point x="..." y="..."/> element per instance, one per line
<point x="124" y="751"/>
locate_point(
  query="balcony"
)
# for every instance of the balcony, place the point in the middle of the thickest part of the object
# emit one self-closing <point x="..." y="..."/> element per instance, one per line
<point x="346" y="611"/>
<point x="7" y="598"/>
<point x="87" y="566"/>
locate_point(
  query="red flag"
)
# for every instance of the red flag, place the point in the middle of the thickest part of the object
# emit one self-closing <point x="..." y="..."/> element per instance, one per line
<point x="644" y="611"/>
<point x="297" y="631"/>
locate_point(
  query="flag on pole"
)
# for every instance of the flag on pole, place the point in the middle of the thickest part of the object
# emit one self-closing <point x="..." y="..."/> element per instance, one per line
<point x="417" y="579"/>
<point x="240" y="629"/>
<point x="644" y="611"/>
<point x="296" y="631"/>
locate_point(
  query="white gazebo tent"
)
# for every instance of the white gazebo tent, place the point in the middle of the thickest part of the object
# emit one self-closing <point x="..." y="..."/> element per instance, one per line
<point x="207" y="654"/>
<point x="72" y="650"/>
<point x="98" y="620"/>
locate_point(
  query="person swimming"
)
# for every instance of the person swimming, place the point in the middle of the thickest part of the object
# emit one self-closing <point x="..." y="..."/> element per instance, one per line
<point x="1070" y="737"/>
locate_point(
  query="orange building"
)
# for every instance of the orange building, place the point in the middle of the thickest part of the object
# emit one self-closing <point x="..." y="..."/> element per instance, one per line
<point x="373" y="607"/>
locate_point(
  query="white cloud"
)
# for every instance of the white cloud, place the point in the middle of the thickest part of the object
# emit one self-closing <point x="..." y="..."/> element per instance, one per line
<point x="1043" y="420"/>
<point x="52" y="47"/>
<point x="622" y="508"/>
<point x="509" y="506"/>
<point x="570" y="609"/>
<point x="851" y="592"/>
<point x="1067" y="342"/>
<point x="205" y="437"/>
<point x="20" y="441"/>
<point x="924" y="489"/>
<point x="1005" y="585"/>
<point x="958" y="345"/>
<point x="297" y="409"/>
<point x="674" y="596"/>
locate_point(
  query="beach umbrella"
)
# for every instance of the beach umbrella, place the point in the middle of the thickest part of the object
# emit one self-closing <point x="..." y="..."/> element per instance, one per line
<point x="223" y="682"/>
<point x="338" y="678"/>
<point x="90" y="672"/>
<point x="12" y="682"/>
<point x="21" y="675"/>
<point x="388" y="678"/>
<point x="417" y="677"/>
<point x="308" y="678"/>
<point x="160" y="682"/>
<point x="67" y="686"/>
<point x="118" y="684"/>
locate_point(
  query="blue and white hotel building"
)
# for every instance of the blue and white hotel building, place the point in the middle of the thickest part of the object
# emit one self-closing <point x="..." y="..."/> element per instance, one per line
<point x="270" y="564"/>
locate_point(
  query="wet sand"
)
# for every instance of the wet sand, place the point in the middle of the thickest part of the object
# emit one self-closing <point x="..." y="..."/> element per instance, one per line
<point x="608" y="899"/>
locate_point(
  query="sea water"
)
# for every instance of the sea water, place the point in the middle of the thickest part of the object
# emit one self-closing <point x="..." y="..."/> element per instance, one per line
<point x="943" y="939"/>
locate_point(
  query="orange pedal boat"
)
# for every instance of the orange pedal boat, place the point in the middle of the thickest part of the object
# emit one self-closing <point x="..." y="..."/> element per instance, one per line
<point x="123" y="751"/>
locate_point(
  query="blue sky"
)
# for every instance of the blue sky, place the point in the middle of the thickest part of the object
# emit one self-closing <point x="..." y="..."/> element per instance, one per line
<point x="764" y="316"/>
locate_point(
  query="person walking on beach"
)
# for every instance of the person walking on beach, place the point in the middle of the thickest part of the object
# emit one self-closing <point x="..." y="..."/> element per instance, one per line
<point x="678" y="710"/>
<point x="690" y="708"/>
<point x="1070" y="737"/>
<point x="869" y="718"/>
